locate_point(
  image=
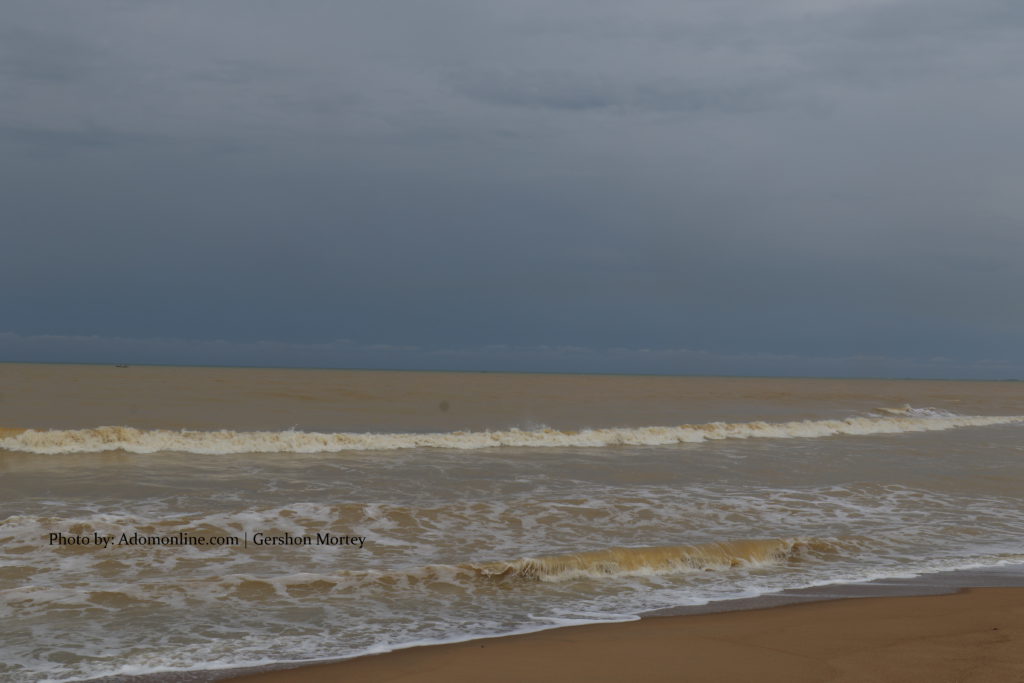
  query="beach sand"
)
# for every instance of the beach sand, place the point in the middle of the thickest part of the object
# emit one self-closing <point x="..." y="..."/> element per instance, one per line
<point x="973" y="635"/>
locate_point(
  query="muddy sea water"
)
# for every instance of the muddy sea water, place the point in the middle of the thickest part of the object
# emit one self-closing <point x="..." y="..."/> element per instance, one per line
<point x="166" y="519"/>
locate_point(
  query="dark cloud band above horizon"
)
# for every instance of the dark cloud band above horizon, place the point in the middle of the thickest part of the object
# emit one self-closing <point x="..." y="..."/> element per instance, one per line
<point x="348" y="354"/>
<point x="810" y="179"/>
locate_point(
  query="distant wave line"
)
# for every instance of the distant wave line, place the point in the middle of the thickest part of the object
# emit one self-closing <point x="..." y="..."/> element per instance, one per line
<point x="224" y="442"/>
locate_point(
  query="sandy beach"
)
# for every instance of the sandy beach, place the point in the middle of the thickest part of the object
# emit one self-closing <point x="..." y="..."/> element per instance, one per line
<point x="973" y="635"/>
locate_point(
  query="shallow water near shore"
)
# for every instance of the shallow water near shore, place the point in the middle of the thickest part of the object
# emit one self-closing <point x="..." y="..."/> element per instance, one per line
<point x="486" y="504"/>
<point x="939" y="583"/>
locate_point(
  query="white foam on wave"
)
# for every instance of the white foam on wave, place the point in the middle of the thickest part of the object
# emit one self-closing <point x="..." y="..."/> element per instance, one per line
<point x="223" y="442"/>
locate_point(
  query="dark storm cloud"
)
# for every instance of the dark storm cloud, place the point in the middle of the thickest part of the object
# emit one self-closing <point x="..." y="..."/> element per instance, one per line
<point x="807" y="179"/>
<point x="571" y="92"/>
<point x="345" y="353"/>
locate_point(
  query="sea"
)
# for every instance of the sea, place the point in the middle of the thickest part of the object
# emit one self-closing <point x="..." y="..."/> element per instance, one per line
<point x="187" y="520"/>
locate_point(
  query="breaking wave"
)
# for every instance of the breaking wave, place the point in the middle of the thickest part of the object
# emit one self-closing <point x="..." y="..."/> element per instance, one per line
<point x="222" y="442"/>
<point x="608" y="563"/>
<point x="659" y="560"/>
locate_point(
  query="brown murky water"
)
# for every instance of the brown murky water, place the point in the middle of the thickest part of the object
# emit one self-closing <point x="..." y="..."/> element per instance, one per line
<point x="158" y="518"/>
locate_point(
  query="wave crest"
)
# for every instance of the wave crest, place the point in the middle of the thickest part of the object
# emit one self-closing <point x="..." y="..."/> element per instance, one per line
<point x="223" y="442"/>
<point x="605" y="564"/>
<point x="658" y="560"/>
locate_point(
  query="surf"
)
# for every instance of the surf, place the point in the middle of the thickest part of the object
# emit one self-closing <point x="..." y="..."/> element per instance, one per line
<point x="223" y="442"/>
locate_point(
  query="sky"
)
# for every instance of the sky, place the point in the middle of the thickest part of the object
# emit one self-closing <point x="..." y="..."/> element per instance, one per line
<point x="796" y="187"/>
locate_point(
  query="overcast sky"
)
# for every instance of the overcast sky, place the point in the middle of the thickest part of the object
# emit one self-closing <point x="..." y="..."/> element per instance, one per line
<point x="797" y="187"/>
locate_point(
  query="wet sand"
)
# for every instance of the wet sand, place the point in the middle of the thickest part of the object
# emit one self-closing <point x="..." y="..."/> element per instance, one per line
<point x="974" y="635"/>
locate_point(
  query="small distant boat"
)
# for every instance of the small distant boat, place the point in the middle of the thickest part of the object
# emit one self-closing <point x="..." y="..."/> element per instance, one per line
<point x="121" y="365"/>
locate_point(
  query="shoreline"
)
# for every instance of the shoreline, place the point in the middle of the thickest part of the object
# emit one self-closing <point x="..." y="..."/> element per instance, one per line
<point x="939" y="602"/>
<point x="975" y="634"/>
